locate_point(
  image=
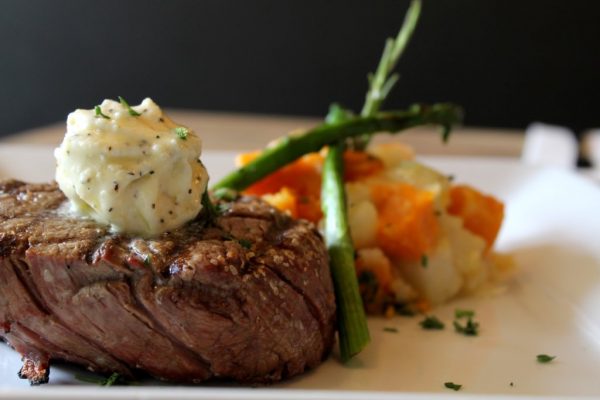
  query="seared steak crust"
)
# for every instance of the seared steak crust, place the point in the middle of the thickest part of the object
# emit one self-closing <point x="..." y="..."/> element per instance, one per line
<point x="249" y="300"/>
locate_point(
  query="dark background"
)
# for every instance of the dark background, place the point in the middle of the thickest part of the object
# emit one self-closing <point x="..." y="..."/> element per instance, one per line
<point x="507" y="62"/>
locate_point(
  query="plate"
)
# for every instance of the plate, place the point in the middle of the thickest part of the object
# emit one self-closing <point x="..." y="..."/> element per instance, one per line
<point x="551" y="306"/>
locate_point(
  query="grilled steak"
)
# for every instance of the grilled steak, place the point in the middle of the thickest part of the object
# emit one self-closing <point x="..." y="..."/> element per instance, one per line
<point x="250" y="299"/>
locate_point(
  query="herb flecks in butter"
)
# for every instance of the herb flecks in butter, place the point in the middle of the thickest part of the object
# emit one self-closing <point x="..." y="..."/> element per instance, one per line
<point x="99" y="113"/>
<point x="131" y="111"/>
<point x="182" y="132"/>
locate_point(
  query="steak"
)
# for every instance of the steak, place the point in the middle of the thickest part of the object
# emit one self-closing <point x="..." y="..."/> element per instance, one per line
<point x="248" y="298"/>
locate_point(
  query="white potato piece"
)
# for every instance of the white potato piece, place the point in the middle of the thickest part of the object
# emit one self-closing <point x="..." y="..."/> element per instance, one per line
<point x="403" y="292"/>
<point x="392" y="153"/>
<point x="375" y="260"/>
<point x="362" y="215"/>
<point x="362" y="218"/>
<point x="357" y="192"/>
<point x="438" y="281"/>
<point x="422" y="177"/>
<point x="469" y="253"/>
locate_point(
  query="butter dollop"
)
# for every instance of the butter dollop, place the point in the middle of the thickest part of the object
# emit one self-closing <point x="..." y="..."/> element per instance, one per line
<point x="131" y="167"/>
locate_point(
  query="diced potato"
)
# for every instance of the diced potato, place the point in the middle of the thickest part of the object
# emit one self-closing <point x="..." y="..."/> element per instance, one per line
<point x="362" y="218"/>
<point x="284" y="200"/>
<point x="417" y="174"/>
<point x="374" y="260"/>
<point x="482" y="214"/>
<point x="357" y="192"/>
<point x="422" y="177"/>
<point x="384" y="286"/>
<point x="403" y="292"/>
<point x="302" y="178"/>
<point x="392" y="153"/>
<point x="468" y="249"/>
<point x="359" y="165"/>
<point x="419" y="240"/>
<point x="436" y="280"/>
<point x="407" y="224"/>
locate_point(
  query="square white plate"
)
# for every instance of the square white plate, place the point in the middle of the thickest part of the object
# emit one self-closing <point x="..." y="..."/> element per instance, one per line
<point x="552" y="306"/>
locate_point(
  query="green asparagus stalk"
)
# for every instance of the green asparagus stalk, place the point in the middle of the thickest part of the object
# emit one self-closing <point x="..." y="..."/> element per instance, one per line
<point x="352" y="328"/>
<point x="291" y="148"/>
<point x="352" y="322"/>
<point x="382" y="82"/>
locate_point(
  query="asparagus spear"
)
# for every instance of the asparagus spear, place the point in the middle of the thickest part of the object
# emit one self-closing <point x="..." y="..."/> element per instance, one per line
<point x="353" y="329"/>
<point x="291" y="148"/>
<point x="352" y="321"/>
<point x="382" y="82"/>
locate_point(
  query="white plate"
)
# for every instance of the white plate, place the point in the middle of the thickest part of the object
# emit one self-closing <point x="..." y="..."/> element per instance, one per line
<point x="552" y="306"/>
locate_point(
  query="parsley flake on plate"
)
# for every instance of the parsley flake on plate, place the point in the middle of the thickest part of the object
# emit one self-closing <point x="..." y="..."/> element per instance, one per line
<point x="452" y="385"/>
<point x="471" y="328"/>
<point x="113" y="379"/>
<point x="432" y="322"/>
<point x="459" y="313"/>
<point x="544" y="358"/>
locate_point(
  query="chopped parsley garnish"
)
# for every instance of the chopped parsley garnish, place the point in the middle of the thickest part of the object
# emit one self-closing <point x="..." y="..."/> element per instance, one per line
<point x="182" y="132"/>
<point x="148" y="260"/>
<point x="405" y="310"/>
<point x="111" y="380"/>
<point x="471" y="328"/>
<point x="432" y="322"/>
<point x="544" y="358"/>
<point x="424" y="260"/>
<point x="390" y="329"/>
<point x="99" y="113"/>
<point x="245" y="243"/>
<point x="458" y="313"/>
<point x="225" y="194"/>
<point x="131" y="111"/>
<point x="453" y="386"/>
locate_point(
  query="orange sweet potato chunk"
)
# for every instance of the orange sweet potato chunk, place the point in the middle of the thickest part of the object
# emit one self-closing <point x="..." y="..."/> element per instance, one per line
<point x="407" y="226"/>
<point x="481" y="214"/>
<point x="360" y="164"/>
<point x="302" y="179"/>
<point x="283" y="200"/>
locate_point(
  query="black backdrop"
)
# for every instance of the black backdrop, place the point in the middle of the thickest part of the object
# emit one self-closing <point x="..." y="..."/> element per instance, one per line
<point x="507" y="62"/>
